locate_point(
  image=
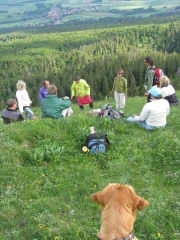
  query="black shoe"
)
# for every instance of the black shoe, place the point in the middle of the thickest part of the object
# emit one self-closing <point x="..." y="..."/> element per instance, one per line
<point x="91" y="105"/>
<point x="81" y="107"/>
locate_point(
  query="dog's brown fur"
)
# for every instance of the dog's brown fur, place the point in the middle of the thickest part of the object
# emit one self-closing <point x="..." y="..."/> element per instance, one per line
<point x="118" y="203"/>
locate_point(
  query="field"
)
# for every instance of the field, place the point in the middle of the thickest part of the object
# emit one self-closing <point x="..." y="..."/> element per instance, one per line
<point x="46" y="181"/>
<point x="12" y="12"/>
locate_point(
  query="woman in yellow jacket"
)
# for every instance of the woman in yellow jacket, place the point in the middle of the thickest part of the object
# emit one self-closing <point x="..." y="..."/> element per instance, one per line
<point x="81" y="90"/>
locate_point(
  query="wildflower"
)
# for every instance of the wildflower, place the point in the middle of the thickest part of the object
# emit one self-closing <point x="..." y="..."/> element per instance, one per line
<point x="42" y="226"/>
<point x="159" y="235"/>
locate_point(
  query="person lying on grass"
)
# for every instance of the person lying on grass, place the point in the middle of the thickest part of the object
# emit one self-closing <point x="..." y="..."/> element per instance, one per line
<point x="154" y="113"/>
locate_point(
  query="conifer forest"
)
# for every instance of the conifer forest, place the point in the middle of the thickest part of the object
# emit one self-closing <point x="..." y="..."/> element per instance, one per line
<point x="93" y="53"/>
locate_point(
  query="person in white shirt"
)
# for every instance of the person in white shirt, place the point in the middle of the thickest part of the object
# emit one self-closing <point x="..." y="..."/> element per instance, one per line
<point x="167" y="91"/>
<point x="154" y="113"/>
<point x="23" y="99"/>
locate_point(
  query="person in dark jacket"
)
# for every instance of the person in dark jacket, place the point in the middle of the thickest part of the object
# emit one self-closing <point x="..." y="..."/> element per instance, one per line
<point x="168" y="92"/>
<point x="149" y="75"/>
<point x="43" y="91"/>
<point x="11" y="114"/>
<point x="54" y="107"/>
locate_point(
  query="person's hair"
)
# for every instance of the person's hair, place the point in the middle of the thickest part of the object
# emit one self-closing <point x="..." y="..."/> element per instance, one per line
<point x="11" y="102"/>
<point x="77" y="78"/>
<point x="158" y="97"/>
<point x="52" y="89"/>
<point x="149" y="60"/>
<point x="21" y="85"/>
<point x="45" y="81"/>
<point x="120" y="71"/>
<point x="164" y="81"/>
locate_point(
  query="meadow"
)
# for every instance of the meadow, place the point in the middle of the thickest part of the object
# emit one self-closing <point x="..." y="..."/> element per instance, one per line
<point x="12" y="12"/>
<point x="46" y="181"/>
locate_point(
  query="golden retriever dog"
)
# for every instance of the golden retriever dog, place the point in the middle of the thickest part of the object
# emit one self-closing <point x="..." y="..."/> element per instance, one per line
<point x="118" y="203"/>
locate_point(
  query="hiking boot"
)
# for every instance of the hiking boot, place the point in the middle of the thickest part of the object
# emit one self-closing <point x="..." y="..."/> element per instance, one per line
<point x="91" y="105"/>
<point x="81" y="107"/>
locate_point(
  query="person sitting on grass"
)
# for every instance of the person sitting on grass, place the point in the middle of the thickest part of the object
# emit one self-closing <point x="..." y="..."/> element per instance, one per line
<point x="54" y="107"/>
<point x="167" y="91"/>
<point x="153" y="114"/>
<point x="11" y="114"/>
<point x="43" y="91"/>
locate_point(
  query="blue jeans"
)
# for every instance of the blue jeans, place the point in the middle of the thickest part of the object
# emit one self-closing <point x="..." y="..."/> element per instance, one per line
<point x="143" y="124"/>
<point x="29" y="114"/>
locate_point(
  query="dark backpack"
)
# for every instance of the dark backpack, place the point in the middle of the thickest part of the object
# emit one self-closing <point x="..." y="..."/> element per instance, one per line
<point x="97" y="142"/>
<point x="157" y="74"/>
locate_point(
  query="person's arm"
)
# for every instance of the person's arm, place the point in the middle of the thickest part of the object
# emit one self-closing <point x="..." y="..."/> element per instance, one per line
<point x="73" y="90"/>
<point x="113" y="88"/>
<point x="150" y="76"/>
<point x="20" y="104"/>
<point x="64" y="103"/>
<point x="20" y="118"/>
<point x="26" y="96"/>
<point x="144" y="113"/>
<point x="168" y="108"/>
<point x="87" y="88"/>
<point x="40" y="95"/>
<point x="125" y="87"/>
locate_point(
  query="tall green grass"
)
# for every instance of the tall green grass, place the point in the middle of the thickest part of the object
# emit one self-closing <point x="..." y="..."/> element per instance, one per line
<point x="46" y="181"/>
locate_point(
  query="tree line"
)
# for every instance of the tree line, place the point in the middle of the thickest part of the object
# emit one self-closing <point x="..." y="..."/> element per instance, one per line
<point x="94" y="54"/>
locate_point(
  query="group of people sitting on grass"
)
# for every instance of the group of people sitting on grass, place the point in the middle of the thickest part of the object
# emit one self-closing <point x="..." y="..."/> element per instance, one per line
<point x="152" y="116"/>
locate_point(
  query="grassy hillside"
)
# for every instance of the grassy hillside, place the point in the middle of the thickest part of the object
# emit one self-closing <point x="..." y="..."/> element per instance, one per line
<point x="46" y="181"/>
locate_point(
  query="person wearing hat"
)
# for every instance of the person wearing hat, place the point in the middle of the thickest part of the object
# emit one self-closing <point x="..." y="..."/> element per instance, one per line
<point x="81" y="90"/>
<point x="154" y="113"/>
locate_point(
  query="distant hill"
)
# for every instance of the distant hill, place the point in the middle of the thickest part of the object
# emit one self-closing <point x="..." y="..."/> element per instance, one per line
<point x="39" y="13"/>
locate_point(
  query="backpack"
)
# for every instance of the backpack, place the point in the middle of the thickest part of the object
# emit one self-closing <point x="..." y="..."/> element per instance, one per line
<point x="157" y="74"/>
<point x="97" y="142"/>
<point x="108" y="112"/>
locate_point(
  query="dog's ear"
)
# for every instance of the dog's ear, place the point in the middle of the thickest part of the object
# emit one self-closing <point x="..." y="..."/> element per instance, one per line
<point x="96" y="197"/>
<point x="100" y="198"/>
<point x="137" y="201"/>
<point x="142" y="203"/>
<point x="104" y="196"/>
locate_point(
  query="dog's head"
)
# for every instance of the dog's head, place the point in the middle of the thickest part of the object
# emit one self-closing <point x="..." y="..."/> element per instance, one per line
<point x="123" y="195"/>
